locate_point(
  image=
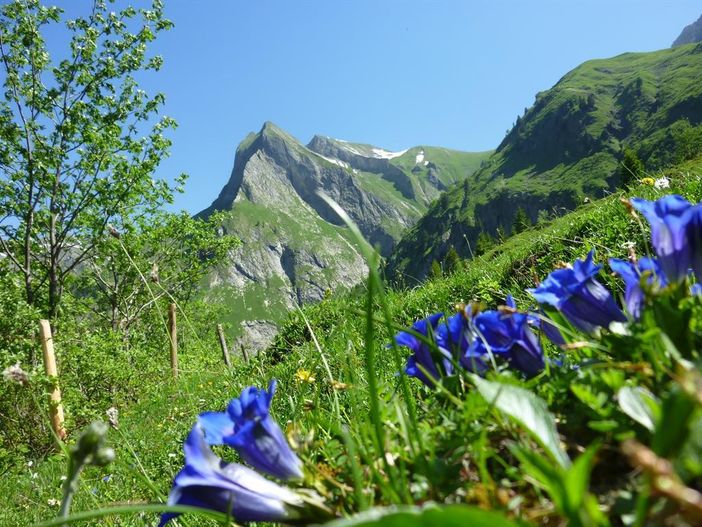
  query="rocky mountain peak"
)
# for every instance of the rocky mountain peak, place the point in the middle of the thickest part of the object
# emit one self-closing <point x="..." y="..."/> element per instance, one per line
<point x="691" y="34"/>
<point x="295" y="249"/>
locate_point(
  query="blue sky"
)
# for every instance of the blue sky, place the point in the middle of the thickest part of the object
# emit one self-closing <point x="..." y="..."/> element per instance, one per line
<point x="394" y="73"/>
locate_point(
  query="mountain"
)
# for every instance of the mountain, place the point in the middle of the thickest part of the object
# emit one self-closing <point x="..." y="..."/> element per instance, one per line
<point x="295" y="249"/>
<point x="567" y="147"/>
<point x="691" y="34"/>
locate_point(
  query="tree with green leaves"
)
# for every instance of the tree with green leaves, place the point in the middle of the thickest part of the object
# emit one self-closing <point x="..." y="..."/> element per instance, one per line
<point x="521" y="221"/>
<point x="79" y="140"/>
<point x="156" y="260"/>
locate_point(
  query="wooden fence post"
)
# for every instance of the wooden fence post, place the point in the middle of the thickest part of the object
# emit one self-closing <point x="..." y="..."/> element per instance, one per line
<point x="223" y="344"/>
<point x="55" y="406"/>
<point x="245" y="353"/>
<point x="173" y="337"/>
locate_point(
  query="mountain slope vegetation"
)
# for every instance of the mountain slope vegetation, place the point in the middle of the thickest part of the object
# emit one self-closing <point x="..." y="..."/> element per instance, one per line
<point x="151" y="430"/>
<point x="567" y="147"/>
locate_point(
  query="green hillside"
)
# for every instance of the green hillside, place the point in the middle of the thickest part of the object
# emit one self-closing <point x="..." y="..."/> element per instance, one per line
<point x="566" y="147"/>
<point x="328" y="343"/>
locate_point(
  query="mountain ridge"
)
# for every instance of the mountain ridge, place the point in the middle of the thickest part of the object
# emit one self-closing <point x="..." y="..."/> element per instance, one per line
<point x="567" y="147"/>
<point x="690" y="34"/>
<point x="295" y="249"/>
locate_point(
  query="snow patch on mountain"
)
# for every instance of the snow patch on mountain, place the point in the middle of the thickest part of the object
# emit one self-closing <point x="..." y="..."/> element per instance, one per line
<point x="337" y="162"/>
<point x="384" y="154"/>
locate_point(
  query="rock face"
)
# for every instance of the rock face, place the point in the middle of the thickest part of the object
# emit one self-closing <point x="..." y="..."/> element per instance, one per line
<point x="256" y="335"/>
<point x="295" y="249"/>
<point x="691" y="34"/>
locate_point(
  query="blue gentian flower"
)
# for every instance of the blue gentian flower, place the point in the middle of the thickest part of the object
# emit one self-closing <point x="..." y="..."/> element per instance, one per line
<point x="421" y="352"/>
<point x="585" y="302"/>
<point x="507" y="336"/>
<point x="669" y="217"/>
<point x="631" y="274"/>
<point x="456" y="337"/>
<point x="539" y="322"/>
<point x="452" y="335"/>
<point x="248" y="427"/>
<point x="206" y="481"/>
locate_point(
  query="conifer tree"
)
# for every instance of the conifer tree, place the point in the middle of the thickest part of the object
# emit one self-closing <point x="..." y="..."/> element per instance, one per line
<point x="521" y="221"/>
<point x="484" y="243"/>
<point x="632" y="168"/>
<point x="452" y="262"/>
<point x="435" y="270"/>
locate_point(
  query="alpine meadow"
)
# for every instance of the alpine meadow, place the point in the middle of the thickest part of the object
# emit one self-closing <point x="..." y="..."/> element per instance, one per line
<point x="502" y="334"/>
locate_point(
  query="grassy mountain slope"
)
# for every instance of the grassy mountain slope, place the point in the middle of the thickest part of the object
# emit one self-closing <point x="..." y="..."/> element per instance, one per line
<point x="568" y="146"/>
<point x="148" y="442"/>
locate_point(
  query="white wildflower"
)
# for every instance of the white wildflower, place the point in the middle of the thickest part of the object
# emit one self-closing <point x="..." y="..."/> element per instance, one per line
<point x="662" y="183"/>
<point x="113" y="416"/>
<point x="15" y="374"/>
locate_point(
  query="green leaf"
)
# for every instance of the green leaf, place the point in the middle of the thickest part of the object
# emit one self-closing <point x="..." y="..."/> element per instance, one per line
<point x="528" y="410"/>
<point x="639" y="404"/>
<point x="603" y="425"/>
<point x="577" y="479"/>
<point x="429" y="516"/>
<point x="547" y="475"/>
<point x="674" y="426"/>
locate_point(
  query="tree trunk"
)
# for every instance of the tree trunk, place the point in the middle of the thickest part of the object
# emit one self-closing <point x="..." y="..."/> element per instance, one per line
<point x="54" y="285"/>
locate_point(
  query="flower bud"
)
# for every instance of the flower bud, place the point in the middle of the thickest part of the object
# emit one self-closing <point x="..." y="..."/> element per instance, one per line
<point x="90" y="449"/>
<point x="104" y="457"/>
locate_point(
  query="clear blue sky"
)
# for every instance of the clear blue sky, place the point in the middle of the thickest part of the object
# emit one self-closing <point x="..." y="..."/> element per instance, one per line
<point x="394" y="73"/>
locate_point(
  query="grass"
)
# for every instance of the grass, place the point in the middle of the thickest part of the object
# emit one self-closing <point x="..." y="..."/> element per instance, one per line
<point x="448" y="452"/>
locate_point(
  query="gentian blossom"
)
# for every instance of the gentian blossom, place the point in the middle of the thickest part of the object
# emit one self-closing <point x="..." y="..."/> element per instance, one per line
<point x="669" y="218"/>
<point x="456" y="337"/>
<point x="541" y="323"/>
<point x="631" y="274"/>
<point x="421" y="352"/>
<point x="247" y="426"/>
<point x="208" y="482"/>
<point x="575" y="292"/>
<point x="507" y="336"/>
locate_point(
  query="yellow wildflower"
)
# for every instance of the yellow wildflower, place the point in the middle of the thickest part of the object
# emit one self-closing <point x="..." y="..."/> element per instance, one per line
<point x="304" y="376"/>
<point x="648" y="181"/>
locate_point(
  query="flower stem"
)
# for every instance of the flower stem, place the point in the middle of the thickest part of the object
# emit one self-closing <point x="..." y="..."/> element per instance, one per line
<point x="70" y="487"/>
